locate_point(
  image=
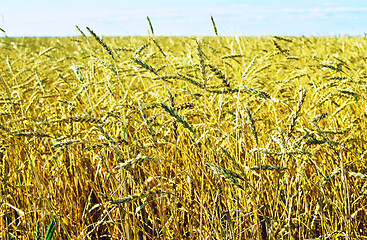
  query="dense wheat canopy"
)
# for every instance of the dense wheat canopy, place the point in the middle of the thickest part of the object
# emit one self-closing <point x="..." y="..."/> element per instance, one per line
<point x="182" y="137"/>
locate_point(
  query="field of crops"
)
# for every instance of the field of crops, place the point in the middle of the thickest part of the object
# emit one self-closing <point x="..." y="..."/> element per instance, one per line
<point x="183" y="137"/>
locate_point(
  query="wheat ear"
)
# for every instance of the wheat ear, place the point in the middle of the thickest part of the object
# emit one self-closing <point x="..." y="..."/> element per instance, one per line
<point x="214" y="26"/>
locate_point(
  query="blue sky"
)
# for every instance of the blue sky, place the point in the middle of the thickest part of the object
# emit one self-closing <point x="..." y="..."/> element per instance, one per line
<point x="188" y="17"/>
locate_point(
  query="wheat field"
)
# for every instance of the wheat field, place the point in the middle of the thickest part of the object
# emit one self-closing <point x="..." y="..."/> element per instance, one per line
<point x="183" y="137"/>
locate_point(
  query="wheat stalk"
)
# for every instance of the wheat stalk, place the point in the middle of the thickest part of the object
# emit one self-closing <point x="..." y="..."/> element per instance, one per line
<point x="228" y="175"/>
<point x="102" y="43"/>
<point x="139" y="50"/>
<point x="144" y="65"/>
<point x="179" y="118"/>
<point x="220" y="74"/>
<point x="301" y="100"/>
<point x="159" y="47"/>
<point x="202" y="62"/>
<point x="252" y="124"/>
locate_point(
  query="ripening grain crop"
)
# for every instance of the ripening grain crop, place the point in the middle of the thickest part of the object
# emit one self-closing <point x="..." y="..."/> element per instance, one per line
<point x="183" y="137"/>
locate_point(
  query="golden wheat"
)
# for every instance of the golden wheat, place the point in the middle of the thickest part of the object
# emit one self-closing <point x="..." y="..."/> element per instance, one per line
<point x="183" y="137"/>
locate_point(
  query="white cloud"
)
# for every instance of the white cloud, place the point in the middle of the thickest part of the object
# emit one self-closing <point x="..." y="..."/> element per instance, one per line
<point x="187" y="19"/>
<point x="326" y="10"/>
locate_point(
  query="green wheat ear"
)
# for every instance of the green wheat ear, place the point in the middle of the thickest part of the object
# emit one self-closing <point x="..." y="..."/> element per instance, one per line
<point x="51" y="230"/>
<point x="214" y="26"/>
<point x="150" y="25"/>
<point x="38" y="237"/>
